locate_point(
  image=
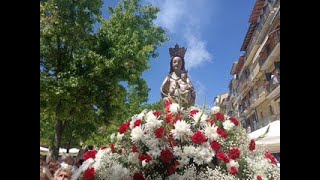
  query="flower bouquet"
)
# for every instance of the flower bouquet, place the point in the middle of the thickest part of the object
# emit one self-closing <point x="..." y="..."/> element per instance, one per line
<point x="178" y="143"/>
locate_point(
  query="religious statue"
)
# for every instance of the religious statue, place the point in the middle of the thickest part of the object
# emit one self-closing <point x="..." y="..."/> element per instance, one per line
<point x="177" y="85"/>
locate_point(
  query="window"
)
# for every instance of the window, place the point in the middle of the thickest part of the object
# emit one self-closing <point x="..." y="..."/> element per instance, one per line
<point x="261" y="114"/>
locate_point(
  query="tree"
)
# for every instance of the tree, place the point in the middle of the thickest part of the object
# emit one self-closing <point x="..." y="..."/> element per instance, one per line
<point x="80" y="69"/>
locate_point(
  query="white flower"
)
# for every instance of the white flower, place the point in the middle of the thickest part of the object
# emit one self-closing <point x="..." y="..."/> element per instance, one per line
<point x="144" y="163"/>
<point x="136" y="134"/>
<point x="228" y="125"/>
<point x="152" y="121"/>
<point x="133" y="158"/>
<point x="181" y="131"/>
<point x="155" y="152"/>
<point x="174" y="108"/>
<point x="211" y="132"/>
<point x="215" y="109"/>
<point x="118" y="172"/>
<point x="189" y="151"/>
<point x="177" y="151"/>
<point x="200" y="116"/>
<point x="119" y="136"/>
<point x="232" y="163"/>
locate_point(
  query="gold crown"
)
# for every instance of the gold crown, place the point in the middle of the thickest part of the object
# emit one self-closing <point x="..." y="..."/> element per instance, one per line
<point x="177" y="51"/>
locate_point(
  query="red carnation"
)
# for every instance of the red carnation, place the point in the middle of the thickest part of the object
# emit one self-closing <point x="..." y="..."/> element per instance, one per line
<point x="221" y="155"/>
<point x="159" y="132"/>
<point x="89" y="174"/>
<point x="234" y="153"/>
<point x="103" y="147"/>
<point x="168" y="119"/>
<point x="252" y="145"/>
<point x="233" y="170"/>
<point x="259" y="178"/>
<point x="193" y="112"/>
<point x="234" y="120"/>
<point x="215" y="146"/>
<point x="134" y="148"/>
<point x="157" y="113"/>
<point x="211" y="121"/>
<point x="166" y="156"/>
<point x="90" y="154"/>
<point x="137" y="123"/>
<point x="172" y="169"/>
<point x="112" y="147"/>
<point x="271" y="157"/>
<point x="222" y="133"/>
<point x="226" y="159"/>
<point x="219" y="116"/>
<point x="124" y="128"/>
<point x="198" y="137"/>
<point x="145" y="157"/>
<point x="138" y="176"/>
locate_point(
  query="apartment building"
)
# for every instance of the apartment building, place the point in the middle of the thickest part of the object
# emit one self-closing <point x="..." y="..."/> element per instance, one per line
<point x="254" y="90"/>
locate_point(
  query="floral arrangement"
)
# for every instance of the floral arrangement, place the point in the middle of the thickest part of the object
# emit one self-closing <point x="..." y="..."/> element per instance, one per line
<point x="178" y="143"/>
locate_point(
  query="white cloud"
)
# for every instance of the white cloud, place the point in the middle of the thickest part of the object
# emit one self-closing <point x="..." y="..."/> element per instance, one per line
<point x="185" y="20"/>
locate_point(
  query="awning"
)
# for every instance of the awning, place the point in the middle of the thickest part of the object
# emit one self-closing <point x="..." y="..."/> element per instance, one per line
<point x="272" y="139"/>
<point x="72" y="151"/>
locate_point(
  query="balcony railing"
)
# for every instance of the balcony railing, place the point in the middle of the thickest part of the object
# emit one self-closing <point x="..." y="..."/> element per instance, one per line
<point x="269" y="46"/>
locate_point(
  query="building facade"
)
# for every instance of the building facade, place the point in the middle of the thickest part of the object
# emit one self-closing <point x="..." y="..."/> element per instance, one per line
<point x="254" y="90"/>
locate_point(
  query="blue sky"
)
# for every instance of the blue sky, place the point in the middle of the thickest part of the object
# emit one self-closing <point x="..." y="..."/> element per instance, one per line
<point x="211" y="30"/>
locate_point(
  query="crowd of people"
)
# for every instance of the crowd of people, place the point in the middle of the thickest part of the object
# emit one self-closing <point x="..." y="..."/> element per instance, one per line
<point x="59" y="169"/>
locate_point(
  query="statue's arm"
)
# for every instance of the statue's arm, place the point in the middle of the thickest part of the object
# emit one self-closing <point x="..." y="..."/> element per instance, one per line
<point x="165" y="86"/>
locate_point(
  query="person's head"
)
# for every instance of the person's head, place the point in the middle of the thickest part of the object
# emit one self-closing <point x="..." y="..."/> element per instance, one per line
<point x="63" y="173"/>
<point x="177" y="63"/>
<point x="68" y="160"/>
<point x="53" y="166"/>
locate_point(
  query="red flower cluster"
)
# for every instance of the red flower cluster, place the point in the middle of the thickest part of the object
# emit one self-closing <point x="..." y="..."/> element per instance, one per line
<point x="124" y="128"/>
<point x="215" y="145"/>
<point x="168" y="119"/>
<point x="159" y="132"/>
<point x="89" y="174"/>
<point x="137" y="123"/>
<point x="234" y="120"/>
<point x="138" y="176"/>
<point x="112" y="147"/>
<point x="271" y="157"/>
<point x="198" y="137"/>
<point x="146" y="157"/>
<point x="134" y="148"/>
<point x="157" y="113"/>
<point x="219" y="116"/>
<point x="223" y="156"/>
<point x="234" y="153"/>
<point x="259" y="178"/>
<point x="233" y="170"/>
<point x="252" y="145"/>
<point x="222" y="133"/>
<point x="172" y="168"/>
<point x="90" y="154"/>
<point x="193" y="112"/>
<point x="166" y="156"/>
<point x="103" y="147"/>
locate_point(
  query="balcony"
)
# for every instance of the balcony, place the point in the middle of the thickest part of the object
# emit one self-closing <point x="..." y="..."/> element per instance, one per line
<point x="259" y="96"/>
<point x="270" y="51"/>
<point x="273" y="90"/>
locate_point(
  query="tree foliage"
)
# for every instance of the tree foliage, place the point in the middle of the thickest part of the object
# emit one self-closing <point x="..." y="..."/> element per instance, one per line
<point x="81" y="69"/>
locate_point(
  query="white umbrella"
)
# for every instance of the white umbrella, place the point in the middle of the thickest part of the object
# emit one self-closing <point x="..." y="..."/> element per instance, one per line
<point x="272" y="139"/>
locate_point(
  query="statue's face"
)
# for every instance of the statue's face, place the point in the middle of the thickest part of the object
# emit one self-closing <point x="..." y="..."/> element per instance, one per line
<point x="177" y="63"/>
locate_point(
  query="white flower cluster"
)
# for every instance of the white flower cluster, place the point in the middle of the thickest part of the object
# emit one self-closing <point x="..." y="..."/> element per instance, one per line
<point x="186" y="138"/>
